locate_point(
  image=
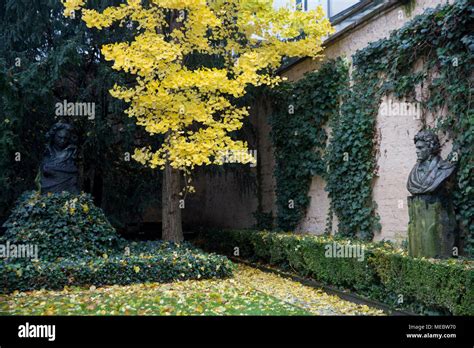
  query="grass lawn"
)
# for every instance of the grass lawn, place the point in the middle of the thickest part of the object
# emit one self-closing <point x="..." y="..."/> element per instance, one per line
<point x="249" y="292"/>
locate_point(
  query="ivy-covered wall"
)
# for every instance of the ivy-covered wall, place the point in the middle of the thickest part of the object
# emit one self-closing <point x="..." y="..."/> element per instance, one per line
<point x="300" y="112"/>
<point x="440" y="44"/>
<point x="441" y="38"/>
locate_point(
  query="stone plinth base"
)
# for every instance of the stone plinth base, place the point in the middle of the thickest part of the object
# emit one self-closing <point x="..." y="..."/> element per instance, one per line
<point x="432" y="227"/>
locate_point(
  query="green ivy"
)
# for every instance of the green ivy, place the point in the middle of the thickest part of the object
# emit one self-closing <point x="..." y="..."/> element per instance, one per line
<point x="351" y="158"/>
<point x="146" y="262"/>
<point x="76" y="245"/>
<point x="61" y="225"/>
<point x="299" y="112"/>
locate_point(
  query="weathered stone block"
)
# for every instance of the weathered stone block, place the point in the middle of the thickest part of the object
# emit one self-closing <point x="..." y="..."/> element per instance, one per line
<point x="432" y="228"/>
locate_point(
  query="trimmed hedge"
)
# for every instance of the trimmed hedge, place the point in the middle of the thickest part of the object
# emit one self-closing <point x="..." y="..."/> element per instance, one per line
<point x="385" y="273"/>
<point x="146" y="262"/>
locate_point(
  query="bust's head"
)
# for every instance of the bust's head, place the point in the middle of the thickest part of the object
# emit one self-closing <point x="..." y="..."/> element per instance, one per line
<point x="427" y="145"/>
<point x="61" y="135"/>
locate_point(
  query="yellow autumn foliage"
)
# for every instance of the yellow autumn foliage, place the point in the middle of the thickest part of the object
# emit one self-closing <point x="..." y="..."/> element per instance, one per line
<point x="193" y="108"/>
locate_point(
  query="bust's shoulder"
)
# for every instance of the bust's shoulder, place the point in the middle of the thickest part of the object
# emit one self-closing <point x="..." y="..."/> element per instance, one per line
<point x="444" y="164"/>
<point x="71" y="148"/>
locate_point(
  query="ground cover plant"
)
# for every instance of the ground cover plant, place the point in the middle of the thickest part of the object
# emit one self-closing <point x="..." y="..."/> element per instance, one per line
<point x="76" y="245"/>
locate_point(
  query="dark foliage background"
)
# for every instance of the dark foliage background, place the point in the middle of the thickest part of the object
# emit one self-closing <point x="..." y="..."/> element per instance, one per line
<point x="45" y="59"/>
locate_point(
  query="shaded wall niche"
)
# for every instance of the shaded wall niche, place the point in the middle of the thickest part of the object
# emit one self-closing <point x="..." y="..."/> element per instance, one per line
<point x="224" y="199"/>
<point x="227" y="196"/>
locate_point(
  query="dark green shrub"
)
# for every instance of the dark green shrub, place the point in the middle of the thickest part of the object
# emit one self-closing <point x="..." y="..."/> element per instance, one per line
<point x="78" y="246"/>
<point x="385" y="273"/>
<point x="146" y="262"/>
<point x="61" y="225"/>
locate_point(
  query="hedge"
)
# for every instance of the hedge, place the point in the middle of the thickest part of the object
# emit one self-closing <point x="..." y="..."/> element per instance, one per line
<point x="143" y="262"/>
<point x="386" y="273"/>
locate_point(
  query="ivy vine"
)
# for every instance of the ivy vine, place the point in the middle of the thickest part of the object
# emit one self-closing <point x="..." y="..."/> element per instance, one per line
<point x="300" y="110"/>
<point x="350" y="158"/>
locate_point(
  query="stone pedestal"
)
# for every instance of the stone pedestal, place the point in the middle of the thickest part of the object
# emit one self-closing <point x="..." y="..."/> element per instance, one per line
<point x="432" y="230"/>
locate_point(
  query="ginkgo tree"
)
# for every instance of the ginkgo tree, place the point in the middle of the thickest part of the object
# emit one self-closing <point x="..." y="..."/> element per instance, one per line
<point x="194" y="109"/>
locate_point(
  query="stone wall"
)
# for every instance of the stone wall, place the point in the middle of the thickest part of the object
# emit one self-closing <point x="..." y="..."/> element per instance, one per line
<point x="228" y="198"/>
<point x="222" y="200"/>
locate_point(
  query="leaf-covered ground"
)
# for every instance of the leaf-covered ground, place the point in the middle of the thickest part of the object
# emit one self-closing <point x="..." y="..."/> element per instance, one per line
<point x="249" y="292"/>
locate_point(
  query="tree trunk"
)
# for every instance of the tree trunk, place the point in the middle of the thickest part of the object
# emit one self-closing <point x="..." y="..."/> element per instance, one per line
<point x="171" y="211"/>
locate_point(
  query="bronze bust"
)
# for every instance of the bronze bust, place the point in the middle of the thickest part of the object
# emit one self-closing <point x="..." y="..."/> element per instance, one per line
<point x="58" y="168"/>
<point x="431" y="171"/>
